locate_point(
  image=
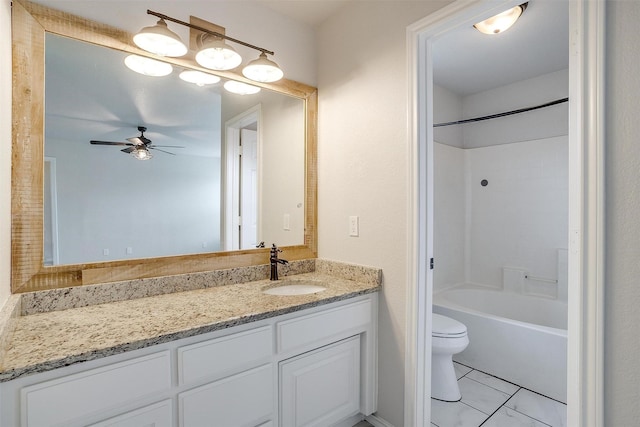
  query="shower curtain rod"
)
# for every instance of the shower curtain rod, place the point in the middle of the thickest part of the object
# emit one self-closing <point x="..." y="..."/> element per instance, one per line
<point x="508" y="113"/>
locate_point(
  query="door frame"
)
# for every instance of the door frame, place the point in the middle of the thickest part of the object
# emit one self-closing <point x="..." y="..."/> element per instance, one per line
<point x="586" y="205"/>
<point x="230" y="175"/>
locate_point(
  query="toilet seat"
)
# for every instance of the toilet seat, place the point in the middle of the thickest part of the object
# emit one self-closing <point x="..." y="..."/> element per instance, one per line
<point x="446" y="327"/>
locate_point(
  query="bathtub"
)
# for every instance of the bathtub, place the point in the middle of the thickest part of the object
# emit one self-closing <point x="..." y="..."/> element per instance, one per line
<point x="519" y="338"/>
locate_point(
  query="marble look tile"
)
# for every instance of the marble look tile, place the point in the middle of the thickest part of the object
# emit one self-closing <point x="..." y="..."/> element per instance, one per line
<point x="493" y="382"/>
<point x="507" y="417"/>
<point x="461" y="370"/>
<point x="455" y="414"/>
<point x="541" y="408"/>
<point x="480" y="396"/>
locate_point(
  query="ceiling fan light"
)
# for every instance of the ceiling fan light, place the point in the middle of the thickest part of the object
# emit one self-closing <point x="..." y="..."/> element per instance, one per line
<point x="198" y="77"/>
<point x="148" y="66"/>
<point x="502" y="21"/>
<point x="240" y="88"/>
<point x="160" y="40"/>
<point x="141" y="153"/>
<point x="263" y="70"/>
<point x="218" y="55"/>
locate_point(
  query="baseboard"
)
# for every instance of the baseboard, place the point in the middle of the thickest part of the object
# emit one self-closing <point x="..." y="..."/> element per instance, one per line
<point x="377" y="422"/>
<point x="350" y="422"/>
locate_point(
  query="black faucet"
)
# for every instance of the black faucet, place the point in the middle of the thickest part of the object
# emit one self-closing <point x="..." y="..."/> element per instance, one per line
<point x="274" y="261"/>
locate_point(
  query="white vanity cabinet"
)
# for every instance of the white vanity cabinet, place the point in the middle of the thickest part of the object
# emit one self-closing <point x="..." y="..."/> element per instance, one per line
<point x="314" y="367"/>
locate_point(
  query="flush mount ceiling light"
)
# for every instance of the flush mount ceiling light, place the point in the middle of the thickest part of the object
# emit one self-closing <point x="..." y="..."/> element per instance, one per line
<point x="218" y="55"/>
<point x="502" y="21"/>
<point x="214" y="53"/>
<point x="198" y="77"/>
<point x="240" y="88"/>
<point x="160" y="40"/>
<point x="148" y="66"/>
<point x="263" y="70"/>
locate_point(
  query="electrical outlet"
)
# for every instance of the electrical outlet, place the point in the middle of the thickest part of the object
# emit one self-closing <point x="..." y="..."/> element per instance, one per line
<point x="354" y="229"/>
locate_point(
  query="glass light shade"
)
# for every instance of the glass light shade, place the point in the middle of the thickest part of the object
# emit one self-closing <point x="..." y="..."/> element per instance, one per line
<point x="217" y="55"/>
<point x="263" y="70"/>
<point x="240" y="88"/>
<point x="160" y="40"/>
<point x="141" y="153"/>
<point x="198" y="77"/>
<point x="501" y="22"/>
<point x="148" y="66"/>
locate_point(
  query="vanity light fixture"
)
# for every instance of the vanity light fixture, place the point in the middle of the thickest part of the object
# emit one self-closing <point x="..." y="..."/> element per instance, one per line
<point x="148" y="66"/>
<point x="198" y="77"/>
<point x="263" y="70"/>
<point x="141" y="153"/>
<point x="160" y="40"/>
<point x="214" y="53"/>
<point x="217" y="55"/>
<point x="502" y="21"/>
<point x="240" y="88"/>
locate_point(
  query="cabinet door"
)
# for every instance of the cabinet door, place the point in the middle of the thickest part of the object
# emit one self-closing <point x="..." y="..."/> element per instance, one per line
<point x="321" y="387"/>
<point x="242" y="400"/>
<point x="157" y="415"/>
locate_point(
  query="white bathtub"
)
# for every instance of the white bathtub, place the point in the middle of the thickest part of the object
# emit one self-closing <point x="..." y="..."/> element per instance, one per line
<point x="520" y="338"/>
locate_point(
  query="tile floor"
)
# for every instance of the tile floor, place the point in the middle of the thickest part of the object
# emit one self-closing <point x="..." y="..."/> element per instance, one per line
<point x="491" y="402"/>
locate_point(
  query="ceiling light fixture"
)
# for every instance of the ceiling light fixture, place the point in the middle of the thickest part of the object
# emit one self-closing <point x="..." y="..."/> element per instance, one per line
<point x="141" y="153"/>
<point x="160" y="40"/>
<point x="214" y="53"/>
<point x="502" y="21"/>
<point x="148" y="66"/>
<point x="240" y="88"/>
<point x="198" y="77"/>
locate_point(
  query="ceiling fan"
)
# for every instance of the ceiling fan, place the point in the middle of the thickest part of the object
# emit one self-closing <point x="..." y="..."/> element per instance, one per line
<point x="138" y="146"/>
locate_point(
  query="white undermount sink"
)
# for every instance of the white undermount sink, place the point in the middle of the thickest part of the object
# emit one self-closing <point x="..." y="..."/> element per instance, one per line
<point x="294" y="287"/>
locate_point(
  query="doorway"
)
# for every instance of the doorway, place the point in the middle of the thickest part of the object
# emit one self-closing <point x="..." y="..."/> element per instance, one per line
<point x="241" y="198"/>
<point x="586" y="120"/>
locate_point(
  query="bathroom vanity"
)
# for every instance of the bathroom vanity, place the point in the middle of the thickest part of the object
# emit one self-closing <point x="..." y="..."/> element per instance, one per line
<point x="225" y="356"/>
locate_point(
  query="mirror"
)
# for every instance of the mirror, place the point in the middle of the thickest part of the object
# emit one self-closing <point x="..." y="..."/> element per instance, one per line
<point x="49" y="193"/>
<point x="102" y="204"/>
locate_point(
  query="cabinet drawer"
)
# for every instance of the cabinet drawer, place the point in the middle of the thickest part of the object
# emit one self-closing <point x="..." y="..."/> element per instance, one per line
<point x="65" y="399"/>
<point x="157" y="415"/>
<point x="241" y="400"/>
<point x="331" y="324"/>
<point x="224" y="356"/>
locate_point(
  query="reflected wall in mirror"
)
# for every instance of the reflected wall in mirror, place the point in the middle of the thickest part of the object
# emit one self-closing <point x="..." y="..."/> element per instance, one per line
<point x="196" y="194"/>
<point x="67" y="185"/>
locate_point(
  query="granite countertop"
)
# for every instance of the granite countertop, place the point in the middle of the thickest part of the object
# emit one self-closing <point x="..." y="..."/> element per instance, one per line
<point x="44" y="341"/>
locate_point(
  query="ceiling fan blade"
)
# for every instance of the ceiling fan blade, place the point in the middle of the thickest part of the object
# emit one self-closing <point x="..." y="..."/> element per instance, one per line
<point x="128" y="150"/>
<point x="165" y="146"/>
<point x="157" y="149"/>
<point x="94" y="142"/>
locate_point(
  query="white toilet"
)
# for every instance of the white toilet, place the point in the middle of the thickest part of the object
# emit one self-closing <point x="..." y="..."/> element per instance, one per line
<point x="448" y="337"/>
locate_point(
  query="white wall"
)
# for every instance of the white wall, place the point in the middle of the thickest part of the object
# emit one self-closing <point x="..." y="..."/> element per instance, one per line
<point x="537" y="124"/>
<point x="520" y="218"/>
<point x="450" y="216"/>
<point x="447" y="108"/>
<point x="5" y="150"/>
<point x="363" y="157"/>
<point x="622" y="250"/>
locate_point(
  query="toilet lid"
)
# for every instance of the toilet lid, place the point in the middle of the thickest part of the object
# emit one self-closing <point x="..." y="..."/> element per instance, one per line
<point x="446" y="327"/>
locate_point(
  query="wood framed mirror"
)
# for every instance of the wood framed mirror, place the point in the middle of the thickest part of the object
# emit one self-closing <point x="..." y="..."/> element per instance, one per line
<point x="31" y="23"/>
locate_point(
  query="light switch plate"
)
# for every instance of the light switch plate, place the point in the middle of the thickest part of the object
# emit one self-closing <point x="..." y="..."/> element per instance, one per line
<point x="354" y="228"/>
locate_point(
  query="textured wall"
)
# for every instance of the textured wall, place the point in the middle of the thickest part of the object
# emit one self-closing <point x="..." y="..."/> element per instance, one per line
<point x="363" y="156"/>
<point x="622" y="283"/>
